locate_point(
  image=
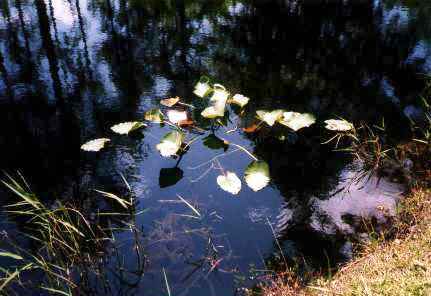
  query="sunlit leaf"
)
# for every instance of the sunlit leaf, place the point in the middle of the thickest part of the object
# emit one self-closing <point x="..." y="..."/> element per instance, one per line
<point x="239" y="100"/>
<point x="95" y="145"/>
<point x="213" y="111"/>
<point x="170" y="143"/>
<point x="154" y="115"/>
<point x="127" y="127"/>
<point x="296" y="121"/>
<point x="170" y="102"/>
<point x="269" y="117"/>
<point x="220" y="95"/>
<point x="257" y="175"/>
<point x="229" y="182"/>
<point x="202" y="87"/>
<point x="338" y="125"/>
<point x="176" y="116"/>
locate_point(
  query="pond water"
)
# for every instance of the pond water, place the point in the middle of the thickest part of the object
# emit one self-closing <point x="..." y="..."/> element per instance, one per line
<point x="70" y="69"/>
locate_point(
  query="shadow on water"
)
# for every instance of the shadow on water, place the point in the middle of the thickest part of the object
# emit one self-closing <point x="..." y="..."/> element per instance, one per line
<point x="71" y="69"/>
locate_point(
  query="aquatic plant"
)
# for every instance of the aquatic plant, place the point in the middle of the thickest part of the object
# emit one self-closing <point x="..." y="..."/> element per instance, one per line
<point x="68" y="243"/>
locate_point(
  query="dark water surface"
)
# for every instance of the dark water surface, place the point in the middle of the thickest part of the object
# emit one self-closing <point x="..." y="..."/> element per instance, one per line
<point x="72" y="68"/>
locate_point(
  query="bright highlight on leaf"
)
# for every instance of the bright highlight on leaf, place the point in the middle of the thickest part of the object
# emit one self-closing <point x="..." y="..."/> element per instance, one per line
<point x="202" y="87"/>
<point x="154" y="115"/>
<point x="127" y="127"/>
<point x="213" y="112"/>
<point x="257" y="175"/>
<point x="239" y="100"/>
<point x="95" y="145"/>
<point x="176" y="116"/>
<point x="338" y="125"/>
<point x="229" y="182"/>
<point x="170" y="143"/>
<point x="269" y="117"/>
<point x="220" y="95"/>
<point x="296" y="121"/>
<point x="170" y="102"/>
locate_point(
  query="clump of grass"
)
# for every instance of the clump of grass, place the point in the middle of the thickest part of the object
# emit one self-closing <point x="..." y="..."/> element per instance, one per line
<point x="67" y="245"/>
<point x="398" y="267"/>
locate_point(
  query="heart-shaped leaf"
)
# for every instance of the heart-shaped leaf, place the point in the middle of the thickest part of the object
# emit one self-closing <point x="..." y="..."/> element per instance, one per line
<point x="154" y="115"/>
<point x="338" y="125"/>
<point x="213" y="111"/>
<point x="296" y="121"/>
<point x="257" y="175"/>
<point x="229" y="182"/>
<point x="214" y="142"/>
<point x="269" y="117"/>
<point x="176" y="116"/>
<point x="95" y="145"/>
<point x="170" y="102"/>
<point x="127" y="127"/>
<point x="170" y="143"/>
<point x="202" y="87"/>
<point x="239" y="100"/>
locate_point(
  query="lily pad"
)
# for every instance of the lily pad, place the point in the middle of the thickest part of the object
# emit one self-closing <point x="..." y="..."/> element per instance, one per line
<point x="154" y="115"/>
<point x="220" y="95"/>
<point x="297" y="121"/>
<point x="202" y="88"/>
<point x="214" y="142"/>
<point x="213" y="112"/>
<point x="170" y="176"/>
<point x="239" y="100"/>
<point x="229" y="182"/>
<point x="170" y="143"/>
<point x="95" y="145"/>
<point x="257" y="175"/>
<point x="170" y="102"/>
<point x="176" y="116"/>
<point x="338" y="125"/>
<point x="126" y="127"/>
<point x="269" y="117"/>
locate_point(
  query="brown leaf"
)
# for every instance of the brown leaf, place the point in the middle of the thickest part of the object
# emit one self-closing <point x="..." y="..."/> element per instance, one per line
<point x="187" y="122"/>
<point x="250" y="129"/>
<point x="170" y="102"/>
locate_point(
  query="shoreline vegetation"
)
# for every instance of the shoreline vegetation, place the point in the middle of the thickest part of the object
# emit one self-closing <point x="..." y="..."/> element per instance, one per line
<point x="398" y="261"/>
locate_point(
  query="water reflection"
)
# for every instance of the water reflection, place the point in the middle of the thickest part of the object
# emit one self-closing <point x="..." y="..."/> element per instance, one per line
<point x="70" y="69"/>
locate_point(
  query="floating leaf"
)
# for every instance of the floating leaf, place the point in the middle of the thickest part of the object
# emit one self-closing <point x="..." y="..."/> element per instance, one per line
<point x="269" y="117"/>
<point x="296" y="121"/>
<point x="239" y="100"/>
<point x="186" y="122"/>
<point x="214" y="142"/>
<point x="176" y="116"/>
<point x="220" y="95"/>
<point x="250" y="129"/>
<point x="95" y="145"/>
<point x="202" y="87"/>
<point x="170" y="176"/>
<point x="257" y="175"/>
<point x="154" y="115"/>
<point x="127" y="127"/>
<point x="170" y="143"/>
<point x="213" y="111"/>
<point x="338" y="125"/>
<point x="229" y="182"/>
<point x="170" y="102"/>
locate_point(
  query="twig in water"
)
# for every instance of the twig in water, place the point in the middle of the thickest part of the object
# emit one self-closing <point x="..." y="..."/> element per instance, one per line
<point x="166" y="282"/>
<point x="189" y="205"/>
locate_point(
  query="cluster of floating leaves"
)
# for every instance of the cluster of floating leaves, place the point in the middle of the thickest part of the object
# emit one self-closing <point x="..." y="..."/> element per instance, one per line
<point x="257" y="174"/>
